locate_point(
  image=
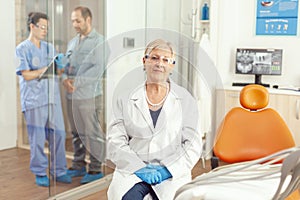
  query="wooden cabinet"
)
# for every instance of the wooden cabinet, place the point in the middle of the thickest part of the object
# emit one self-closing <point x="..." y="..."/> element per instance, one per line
<point x="294" y="117"/>
<point x="286" y="103"/>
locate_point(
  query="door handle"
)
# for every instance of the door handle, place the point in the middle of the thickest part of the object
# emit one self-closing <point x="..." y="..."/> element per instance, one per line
<point x="194" y="15"/>
<point x="297" y="108"/>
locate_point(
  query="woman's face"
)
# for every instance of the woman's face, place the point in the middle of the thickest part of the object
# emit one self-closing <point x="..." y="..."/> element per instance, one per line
<point x="40" y="29"/>
<point x="158" y="65"/>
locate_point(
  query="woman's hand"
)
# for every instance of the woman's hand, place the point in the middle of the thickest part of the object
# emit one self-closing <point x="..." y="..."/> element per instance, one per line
<point x="150" y="176"/>
<point x="33" y="74"/>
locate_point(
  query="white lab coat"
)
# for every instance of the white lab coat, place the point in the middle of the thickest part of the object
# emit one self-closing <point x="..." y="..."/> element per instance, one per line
<point x="133" y="141"/>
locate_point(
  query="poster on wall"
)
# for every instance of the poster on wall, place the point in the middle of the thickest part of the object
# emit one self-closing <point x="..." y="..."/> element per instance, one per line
<point x="279" y="17"/>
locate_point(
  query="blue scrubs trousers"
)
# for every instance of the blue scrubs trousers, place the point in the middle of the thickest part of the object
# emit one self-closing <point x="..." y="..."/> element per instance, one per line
<point x="46" y="124"/>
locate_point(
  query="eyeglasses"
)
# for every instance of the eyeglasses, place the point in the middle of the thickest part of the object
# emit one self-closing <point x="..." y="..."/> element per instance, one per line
<point x="156" y="58"/>
<point x="41" y="27"/>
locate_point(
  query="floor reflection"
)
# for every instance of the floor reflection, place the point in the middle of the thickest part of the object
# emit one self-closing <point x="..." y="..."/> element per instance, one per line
<point x="17" y="182"/>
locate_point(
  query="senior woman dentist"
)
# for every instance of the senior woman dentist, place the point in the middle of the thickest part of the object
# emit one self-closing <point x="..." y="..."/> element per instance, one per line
<point x="153" y="139"/>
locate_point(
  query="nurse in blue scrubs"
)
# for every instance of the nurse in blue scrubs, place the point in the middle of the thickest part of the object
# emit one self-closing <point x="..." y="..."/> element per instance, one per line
<point x="41" y="104"/>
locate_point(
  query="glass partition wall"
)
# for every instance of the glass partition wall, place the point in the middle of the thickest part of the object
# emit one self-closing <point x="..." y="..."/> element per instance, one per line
<point x="172" y="24"/>
<point x="60" y="32"/>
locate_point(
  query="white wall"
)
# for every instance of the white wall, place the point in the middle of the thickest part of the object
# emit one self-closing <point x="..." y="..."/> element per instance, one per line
<point x="123" y="17"/>
<point x="8" y="117"/>
<point x="236" y="28"/>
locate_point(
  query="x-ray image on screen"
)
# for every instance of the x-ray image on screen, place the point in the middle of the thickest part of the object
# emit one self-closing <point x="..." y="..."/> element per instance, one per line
<point x="258" y="62"/>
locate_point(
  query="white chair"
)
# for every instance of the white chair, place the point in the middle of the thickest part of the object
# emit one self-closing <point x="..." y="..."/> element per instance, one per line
<point x="260" y="179"/>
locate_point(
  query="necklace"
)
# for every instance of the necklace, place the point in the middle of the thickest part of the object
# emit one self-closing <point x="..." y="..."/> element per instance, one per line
<point x="159" y="103"/>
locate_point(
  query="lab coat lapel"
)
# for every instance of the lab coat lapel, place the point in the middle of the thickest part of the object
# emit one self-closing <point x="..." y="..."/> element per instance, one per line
<point x="141" y="104"/>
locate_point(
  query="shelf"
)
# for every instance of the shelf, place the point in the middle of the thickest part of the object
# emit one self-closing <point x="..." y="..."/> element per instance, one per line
<point x="204" y="21"/>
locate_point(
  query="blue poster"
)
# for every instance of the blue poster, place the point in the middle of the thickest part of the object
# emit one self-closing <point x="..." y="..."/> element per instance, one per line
<point x="279" y="17"/>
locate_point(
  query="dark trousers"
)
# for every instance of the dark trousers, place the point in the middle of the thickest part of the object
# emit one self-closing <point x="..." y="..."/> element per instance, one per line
<point x="139" y="191"/>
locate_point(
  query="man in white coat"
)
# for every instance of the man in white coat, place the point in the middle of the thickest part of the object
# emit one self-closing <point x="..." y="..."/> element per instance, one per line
<point x="153" y="139"/>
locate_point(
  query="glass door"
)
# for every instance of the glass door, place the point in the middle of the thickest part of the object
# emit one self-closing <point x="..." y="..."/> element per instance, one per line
<point x="181" y="23"/>
<point x="69" y="118"/>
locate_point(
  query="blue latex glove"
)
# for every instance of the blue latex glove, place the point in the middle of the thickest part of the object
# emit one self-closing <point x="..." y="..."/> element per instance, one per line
<point x="165" y="174"/>
<point x="59" y="61"/>
<point x="150" y="176"/>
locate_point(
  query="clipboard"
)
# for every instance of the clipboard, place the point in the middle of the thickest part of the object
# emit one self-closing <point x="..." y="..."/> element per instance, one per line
<point x="51" y="70"/>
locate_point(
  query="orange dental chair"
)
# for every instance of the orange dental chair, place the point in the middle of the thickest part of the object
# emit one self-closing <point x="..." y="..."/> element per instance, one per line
<point x="253" y="140"/>
<point x="251" y="131"/>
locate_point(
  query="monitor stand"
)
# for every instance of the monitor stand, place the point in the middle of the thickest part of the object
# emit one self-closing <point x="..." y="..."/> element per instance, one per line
<point x="257" y="81"/>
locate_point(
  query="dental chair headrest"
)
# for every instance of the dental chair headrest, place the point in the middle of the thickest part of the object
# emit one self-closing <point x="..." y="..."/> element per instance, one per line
<point x="254" y="97"/>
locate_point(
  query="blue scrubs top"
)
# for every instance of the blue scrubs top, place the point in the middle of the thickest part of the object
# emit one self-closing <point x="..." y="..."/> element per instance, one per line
<point x="36" y="93"/>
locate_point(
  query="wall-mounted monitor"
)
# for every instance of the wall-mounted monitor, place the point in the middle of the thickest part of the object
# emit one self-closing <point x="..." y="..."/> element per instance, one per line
<point x="258" y="62"/>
